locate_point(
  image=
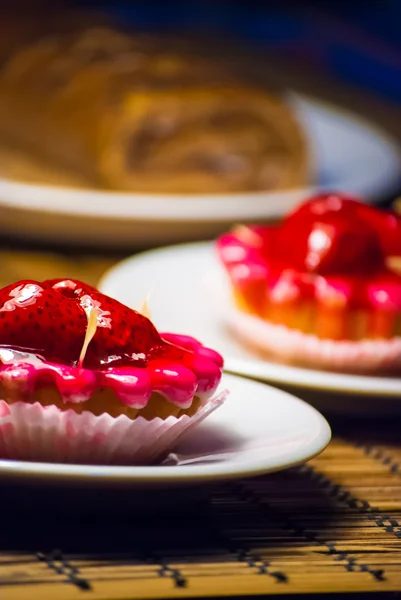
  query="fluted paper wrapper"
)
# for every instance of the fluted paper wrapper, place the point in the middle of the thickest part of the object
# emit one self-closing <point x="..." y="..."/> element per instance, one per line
<point x="47" y="434"/>
<point x="290" y="345"/>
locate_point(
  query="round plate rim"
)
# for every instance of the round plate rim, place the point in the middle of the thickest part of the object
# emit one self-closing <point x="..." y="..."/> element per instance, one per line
<point x="183" y="474"/>
<point x="247" y="367"/>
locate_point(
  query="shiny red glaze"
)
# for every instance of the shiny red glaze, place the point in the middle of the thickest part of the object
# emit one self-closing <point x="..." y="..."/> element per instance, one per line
<point x="50" y="319"/>
<point x="385" y="223"/>
<point x="123" y="335"/>
<point x="331" y="248"/>
<point x="70" y="288"/>
<point x="332" y="244"/>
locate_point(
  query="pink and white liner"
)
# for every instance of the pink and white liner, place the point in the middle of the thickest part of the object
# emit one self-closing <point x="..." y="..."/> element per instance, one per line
<point x="47" y="434"/>
<point x="293" y="346"/>
<point x="30" y="431"/>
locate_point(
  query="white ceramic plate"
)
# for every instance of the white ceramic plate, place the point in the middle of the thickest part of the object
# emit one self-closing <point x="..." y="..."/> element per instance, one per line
<point x="351" y="156"/>
<point x="258" y="430"/>
<point x="189" y="295"/>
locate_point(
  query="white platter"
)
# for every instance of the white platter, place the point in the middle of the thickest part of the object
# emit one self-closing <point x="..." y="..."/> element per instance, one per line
<point x="351" y="155"/>
<point x="258" y="430"/>
<point x="189" y="295"/>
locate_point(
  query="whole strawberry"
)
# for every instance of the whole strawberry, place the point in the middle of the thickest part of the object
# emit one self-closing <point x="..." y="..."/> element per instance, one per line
<point x="51" y="319"/>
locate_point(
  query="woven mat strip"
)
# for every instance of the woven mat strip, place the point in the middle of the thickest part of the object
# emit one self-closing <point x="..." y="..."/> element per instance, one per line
<point x="331" y="525"/>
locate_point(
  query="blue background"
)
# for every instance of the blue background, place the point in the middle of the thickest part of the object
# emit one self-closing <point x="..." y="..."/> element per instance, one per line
<point x="357" y="41"/>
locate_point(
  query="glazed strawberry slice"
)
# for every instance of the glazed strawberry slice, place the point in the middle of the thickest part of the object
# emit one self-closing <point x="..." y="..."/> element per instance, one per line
<point x="337" y="245"/>
<point x="123" y="335"/>
<point x="34" y="317"/>
<point x="386" y="223"/>
<point x="51" y="319"/>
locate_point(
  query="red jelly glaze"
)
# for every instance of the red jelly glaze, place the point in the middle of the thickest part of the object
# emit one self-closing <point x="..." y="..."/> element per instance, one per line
<point x="36" y="317"/>
<point x="386" y="223"/>
<point x="49" y="318"/>
<point x="44" y="326"/>
<point x="331" y="246"/>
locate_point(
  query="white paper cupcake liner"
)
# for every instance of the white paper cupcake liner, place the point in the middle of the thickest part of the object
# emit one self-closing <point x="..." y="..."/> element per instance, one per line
<point x="47" y="434"/>
<point x="296" y="347"/>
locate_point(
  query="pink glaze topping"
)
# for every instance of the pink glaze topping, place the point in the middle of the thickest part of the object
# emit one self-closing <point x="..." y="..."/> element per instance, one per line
<point x="23" y="373"/>
<point x="42" y="332"/>
<point x="333" y="249"/>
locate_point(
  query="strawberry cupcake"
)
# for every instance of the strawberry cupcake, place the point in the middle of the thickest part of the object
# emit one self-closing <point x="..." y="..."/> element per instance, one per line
<point x="322" y="289"/>
<point x="84" y="378"/>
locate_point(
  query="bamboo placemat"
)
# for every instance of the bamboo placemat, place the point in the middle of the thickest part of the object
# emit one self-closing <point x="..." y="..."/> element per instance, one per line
<point x="333" y="525"/>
